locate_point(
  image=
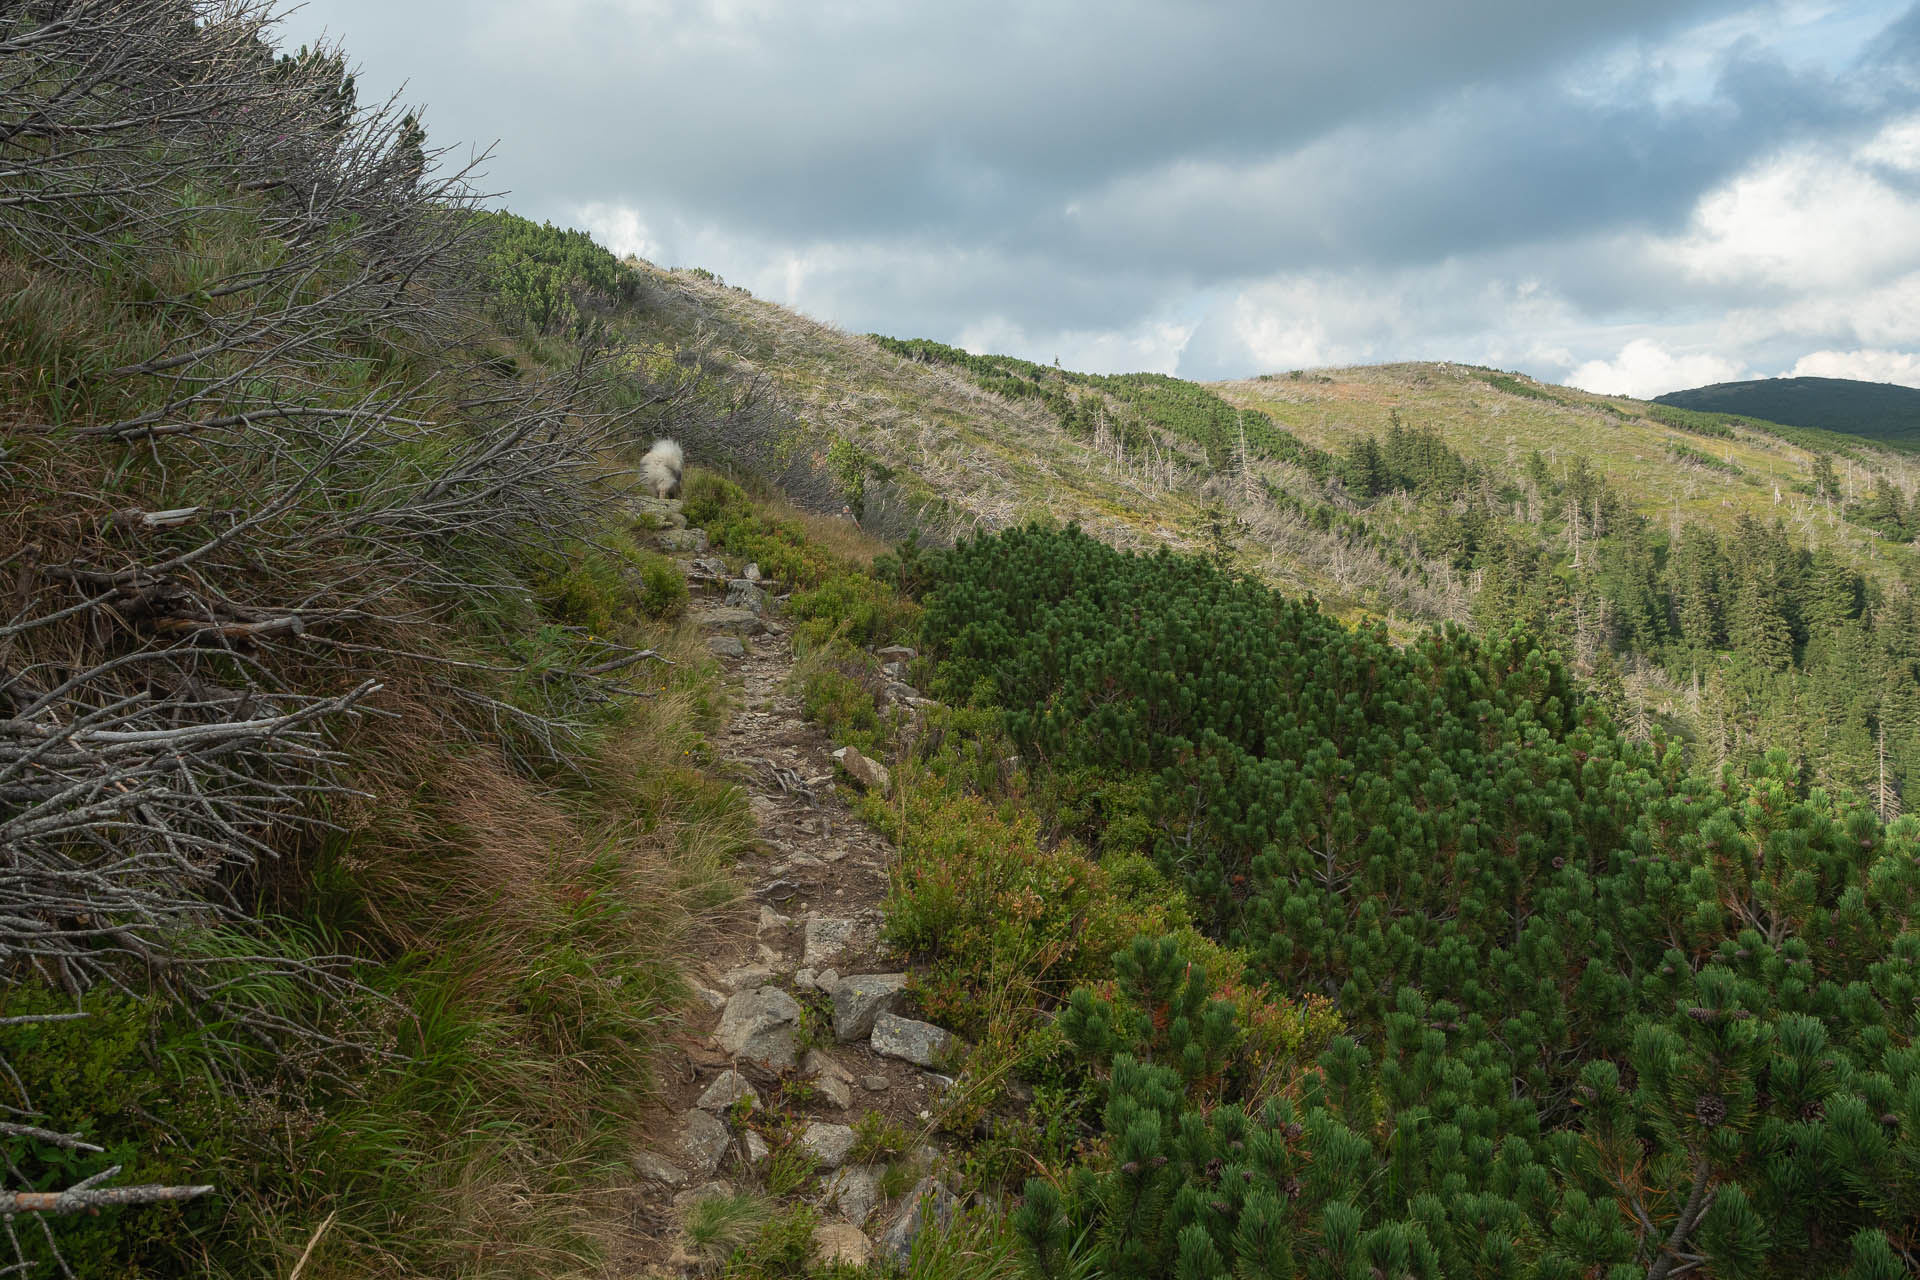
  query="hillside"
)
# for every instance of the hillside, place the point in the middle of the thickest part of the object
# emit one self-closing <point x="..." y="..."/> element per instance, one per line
<point x="1880" y="412"/>
<point x="995" y="822"/>
<point x="1622" y="531"/>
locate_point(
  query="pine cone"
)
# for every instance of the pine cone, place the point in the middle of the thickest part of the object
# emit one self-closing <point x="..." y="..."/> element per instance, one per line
<point x="1710" y="1109"/>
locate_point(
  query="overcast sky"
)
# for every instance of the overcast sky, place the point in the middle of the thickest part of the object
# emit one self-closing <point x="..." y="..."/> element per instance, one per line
<point x="1631" y="196"/>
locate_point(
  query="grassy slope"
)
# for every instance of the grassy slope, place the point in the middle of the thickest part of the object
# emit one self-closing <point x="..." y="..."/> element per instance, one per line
<point x="515" y="917"/>
<point x="997" y="461"/>
<point x="1634" y="451"/>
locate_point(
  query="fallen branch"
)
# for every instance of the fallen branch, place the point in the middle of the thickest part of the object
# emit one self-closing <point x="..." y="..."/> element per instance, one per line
<point x="86" y="1197"/>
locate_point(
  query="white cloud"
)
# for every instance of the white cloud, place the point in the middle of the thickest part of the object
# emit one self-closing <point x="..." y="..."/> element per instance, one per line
<point x="1897" y="146"/>
<point x="620" y="230"/>
<point x="1153" y="347"/>
<point x="1805" y="221"/>
<point x="1643" y="195"/>
<point x="1646" y="369"/>
<point x="1902" y="367"/>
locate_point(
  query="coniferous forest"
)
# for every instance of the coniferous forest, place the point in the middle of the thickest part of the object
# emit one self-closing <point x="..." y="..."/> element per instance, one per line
<point x="1605" y="1016"/>
<point x="1752" y="633"/>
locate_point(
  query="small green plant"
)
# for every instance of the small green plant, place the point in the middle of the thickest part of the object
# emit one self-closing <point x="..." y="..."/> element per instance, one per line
<point x="798" y="1092"/>
<point x="876" y="1138"/>
<point x="663" y="591"/>
<point x="789" y="1166"/>
<point x="815" y="1030"/>
<point x="898" y="1177"/>
<point x="717" y="1226"/>
<point x="838" y="701"/>
<point x="783" y="1249"/>
<point x="975" y="1244"/>
<point x="855" y="606"/>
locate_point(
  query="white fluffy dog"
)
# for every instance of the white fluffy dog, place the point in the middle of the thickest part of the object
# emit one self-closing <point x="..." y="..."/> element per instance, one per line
<point x="662" y="467"/>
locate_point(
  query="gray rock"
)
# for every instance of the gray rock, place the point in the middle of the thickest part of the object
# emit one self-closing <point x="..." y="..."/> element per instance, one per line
<point x="683" y="540"/>
<point x="747" y="975"/>
<point x="683" y="1201"/>
<point x="742" y="594"/>
<point x="896" y="653"/>
<point x="920" y="1043"/>
<point x="828" y="936"/>
<point x="859" y="998"/>
<point x="704" y="1142"/>
<point x="834" y="1081"/>
<point x="875" y="1084"/>
<point x="727" y="1088"/>
<point x="894" y="670"/>
<point x="757" y="1149"/>
<point x="856" y="1189"/>
<point x="830" y="1144"/>
<point x="726" y="646"/>
<point x="928" y="1204"/>
<point x="871" y="775"/>
<point x="760" y="1025"/>
<point x="842" y="1243"/>
<point x="752" y="572"/>
<point x="740" y="622"/>
<point x="708" y="997"/>
<point x="827" y="980"/>
<point x="820" y="1063"/>
<point x="904" y="693"/>
<point x="770" y="920"/>
<point x="655" y="1167"/>
<point x="805" y="978"/>
<point x="660" y="512"/>
<point x="835" y="1090"/>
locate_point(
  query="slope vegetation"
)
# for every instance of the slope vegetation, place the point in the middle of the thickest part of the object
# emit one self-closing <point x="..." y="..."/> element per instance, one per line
<point x="348" y="790"/>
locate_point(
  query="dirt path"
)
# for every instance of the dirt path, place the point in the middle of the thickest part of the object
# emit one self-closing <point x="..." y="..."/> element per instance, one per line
<point x="790" y="992"/>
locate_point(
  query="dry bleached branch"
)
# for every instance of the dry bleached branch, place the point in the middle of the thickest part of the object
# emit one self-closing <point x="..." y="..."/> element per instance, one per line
<point x="89" y="1197"/>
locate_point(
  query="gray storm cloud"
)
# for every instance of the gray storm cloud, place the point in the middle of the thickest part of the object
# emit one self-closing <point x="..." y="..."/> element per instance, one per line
<point x="1171" y="183"/>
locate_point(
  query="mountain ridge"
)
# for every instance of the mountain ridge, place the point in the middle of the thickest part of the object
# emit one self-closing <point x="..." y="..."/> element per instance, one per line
<point x="1884" y="413"/>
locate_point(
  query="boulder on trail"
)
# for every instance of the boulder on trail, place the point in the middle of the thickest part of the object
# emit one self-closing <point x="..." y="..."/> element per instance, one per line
<point x="655" y="1167"/>
<point x="742" y="594"/>
<point x="704" y="1142"/>
<point x="740" y="622"/>
<point x="842" y="1243"/>
<point x="861" y="997"/>
<point x="920" y="1043"/>
<point x="856" y="1189"/>
<point x="728" y="1088"/>
<point x="761" y="1026"/>
<point x="828" y="936"/>
<point x="830" y="1144"/>
<point x="871" y="775"/>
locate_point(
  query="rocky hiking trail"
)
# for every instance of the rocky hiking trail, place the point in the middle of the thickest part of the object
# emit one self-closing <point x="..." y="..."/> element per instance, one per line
<point x="797" y="1000"/>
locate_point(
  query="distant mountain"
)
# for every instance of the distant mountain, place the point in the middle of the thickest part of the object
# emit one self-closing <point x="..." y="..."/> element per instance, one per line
<point x="1878" y="411"/>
